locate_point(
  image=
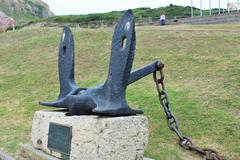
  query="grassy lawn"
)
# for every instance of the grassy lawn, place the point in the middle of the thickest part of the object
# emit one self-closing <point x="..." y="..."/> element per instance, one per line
<point x="202" y="78"/>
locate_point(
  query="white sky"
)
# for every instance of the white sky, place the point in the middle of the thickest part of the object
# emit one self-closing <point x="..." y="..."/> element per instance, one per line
<point x="65" y="7"/>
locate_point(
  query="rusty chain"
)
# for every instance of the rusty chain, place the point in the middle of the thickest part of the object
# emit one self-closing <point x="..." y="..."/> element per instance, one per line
<point x="185" y="142"/>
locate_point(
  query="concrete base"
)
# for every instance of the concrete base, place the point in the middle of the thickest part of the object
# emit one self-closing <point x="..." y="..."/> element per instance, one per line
<point x="94" y="137"/>
<point x="28" y="152"/>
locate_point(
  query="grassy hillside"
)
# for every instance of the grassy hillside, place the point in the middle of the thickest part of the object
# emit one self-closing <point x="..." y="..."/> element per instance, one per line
<point x="25" y="10"/>
<point x="170" y="11"/>
<point x="24" y="17"/>
<point x="202" y="77"/>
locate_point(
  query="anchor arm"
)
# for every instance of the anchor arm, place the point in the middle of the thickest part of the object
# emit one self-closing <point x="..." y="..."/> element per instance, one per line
<point x="143" y="72"/>
<point x="66" y="54"/>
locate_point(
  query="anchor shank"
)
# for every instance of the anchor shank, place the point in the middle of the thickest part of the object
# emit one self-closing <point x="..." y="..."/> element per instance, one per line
<point x="143" y="72"/>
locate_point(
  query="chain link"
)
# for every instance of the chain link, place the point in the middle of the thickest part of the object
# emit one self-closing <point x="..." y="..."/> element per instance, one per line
<point x="185" y="142"/>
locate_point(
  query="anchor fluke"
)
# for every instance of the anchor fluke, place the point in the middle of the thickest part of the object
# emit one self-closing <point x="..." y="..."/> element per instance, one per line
<point x="66" y="69"/>
<point x="122" y="55"/>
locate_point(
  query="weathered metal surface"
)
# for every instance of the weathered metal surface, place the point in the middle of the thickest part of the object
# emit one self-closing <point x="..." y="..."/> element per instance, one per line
<point x="59" y="138"/>
<point x="109" y="98"/>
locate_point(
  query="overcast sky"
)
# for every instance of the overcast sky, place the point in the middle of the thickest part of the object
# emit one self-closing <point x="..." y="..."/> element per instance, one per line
<point x="64" y="7"/>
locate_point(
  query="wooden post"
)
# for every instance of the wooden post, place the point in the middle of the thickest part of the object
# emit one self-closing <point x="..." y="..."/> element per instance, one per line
<point x="102" y="24"/>
<point x="150" y="20"/>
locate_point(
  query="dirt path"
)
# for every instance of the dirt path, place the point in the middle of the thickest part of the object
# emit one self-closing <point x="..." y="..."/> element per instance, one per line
<point x="3" y="156"/>
<point x="194" y="30"/>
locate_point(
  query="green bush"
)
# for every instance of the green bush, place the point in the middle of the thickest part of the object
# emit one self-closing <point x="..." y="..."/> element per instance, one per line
<point x="170" y="11"/>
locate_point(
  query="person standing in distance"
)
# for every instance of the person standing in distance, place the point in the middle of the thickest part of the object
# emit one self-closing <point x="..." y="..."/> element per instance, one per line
<point x="162" y="19"/>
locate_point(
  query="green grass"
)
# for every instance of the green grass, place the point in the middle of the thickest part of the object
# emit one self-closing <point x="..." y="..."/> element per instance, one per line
<point x="206" y="99"/>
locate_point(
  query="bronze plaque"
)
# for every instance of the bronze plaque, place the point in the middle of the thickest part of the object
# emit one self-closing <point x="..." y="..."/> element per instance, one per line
<point x="59" y="138"/>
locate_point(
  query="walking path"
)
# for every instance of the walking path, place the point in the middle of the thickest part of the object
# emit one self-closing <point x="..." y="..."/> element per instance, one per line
<point x="3" y="156"/>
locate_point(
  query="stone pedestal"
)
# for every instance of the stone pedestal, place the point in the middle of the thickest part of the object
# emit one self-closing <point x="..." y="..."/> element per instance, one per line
<point x="90" y="137"/>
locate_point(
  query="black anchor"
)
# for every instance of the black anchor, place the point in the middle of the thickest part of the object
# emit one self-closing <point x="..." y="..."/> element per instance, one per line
<point x="107" y="99"/>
